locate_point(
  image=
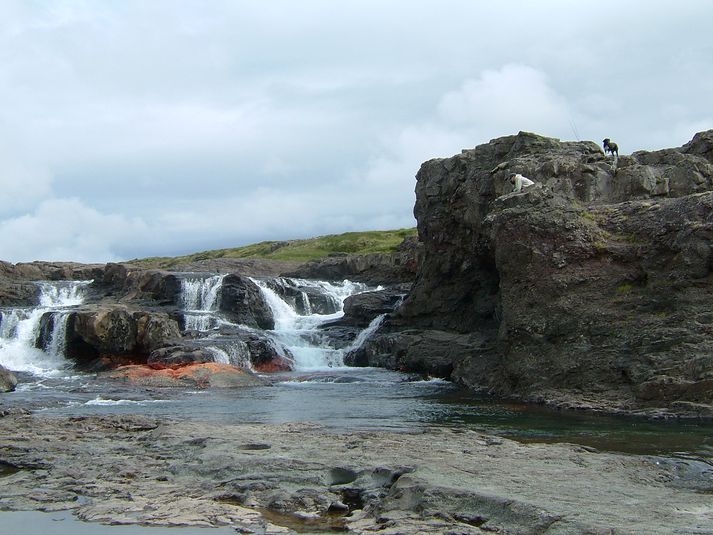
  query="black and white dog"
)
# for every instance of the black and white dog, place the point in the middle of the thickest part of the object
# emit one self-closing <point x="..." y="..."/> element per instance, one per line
<point x="610" y="147"/>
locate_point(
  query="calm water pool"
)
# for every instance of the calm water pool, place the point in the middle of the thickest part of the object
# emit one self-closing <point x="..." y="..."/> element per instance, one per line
<point x="366" y="398"/>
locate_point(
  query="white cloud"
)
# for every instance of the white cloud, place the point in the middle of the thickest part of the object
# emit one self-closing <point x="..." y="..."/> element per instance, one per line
<point x="22" y="183"/>
<point x="513" y="98"/>
<point x="151" y="128"/>
<point x="66" y="229"/>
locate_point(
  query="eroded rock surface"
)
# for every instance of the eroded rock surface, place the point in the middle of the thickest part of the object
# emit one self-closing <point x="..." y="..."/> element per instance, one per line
<point x="135" y="469"/>
<point x="96" y="331"/>
<point x="591" y="288"/>
<point x="241" y="301"/>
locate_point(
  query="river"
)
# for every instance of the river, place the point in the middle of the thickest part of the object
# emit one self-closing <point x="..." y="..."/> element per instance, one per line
<point x="321" y="389"/>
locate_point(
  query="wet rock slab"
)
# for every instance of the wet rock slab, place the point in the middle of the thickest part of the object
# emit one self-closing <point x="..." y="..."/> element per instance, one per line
<point x="136" y="469"/>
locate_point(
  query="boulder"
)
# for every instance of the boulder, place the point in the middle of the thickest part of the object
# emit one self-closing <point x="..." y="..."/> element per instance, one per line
<point x="360" y="309"/>
<point x="241" y="302"/>
<point x="125" y="282"/>
<point x="107" y="330"/>
<point x="154" y="330"/>
<point x="8" y="381"/>
<point x="236" y="346"/>
<point x="266" y="357"/>
<point x="700" y="145"/>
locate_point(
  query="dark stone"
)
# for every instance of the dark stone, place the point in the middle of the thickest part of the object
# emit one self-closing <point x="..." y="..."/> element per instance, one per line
<point x="168" y="357"/>
<point x="360" y="309"/>
<point x="125" y="282"/>
<point x="109" y="330"/>
<point x="17" y="293"/>
<point x="242" y="302"/>
<point x="242" y="347"/>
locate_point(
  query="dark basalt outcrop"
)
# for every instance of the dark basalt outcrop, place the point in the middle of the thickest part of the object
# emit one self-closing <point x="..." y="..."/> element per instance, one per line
<point x="591" y="288"/>
<point x="360" y="309"/>
<point x="97" y="331"/>
<point x="124" y="282"/>
<point x="241" y="302"/>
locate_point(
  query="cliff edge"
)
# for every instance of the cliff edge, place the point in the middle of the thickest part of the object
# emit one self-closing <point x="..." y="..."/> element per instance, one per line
<point x="591" y="289"/>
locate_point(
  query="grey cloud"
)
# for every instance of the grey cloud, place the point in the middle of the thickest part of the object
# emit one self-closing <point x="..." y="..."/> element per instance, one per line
<point x="191" y="125"/>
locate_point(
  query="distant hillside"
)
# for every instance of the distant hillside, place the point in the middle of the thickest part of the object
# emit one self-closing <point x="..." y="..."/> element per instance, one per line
<point x="375" y="241"/>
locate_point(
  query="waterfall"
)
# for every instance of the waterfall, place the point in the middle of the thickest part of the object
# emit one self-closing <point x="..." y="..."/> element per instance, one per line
<point x="20" y="329"/>
<point x="62" y="294"/>
<point x="236" y="353"/>
<point x="199" y="297"/>
<point x="366" y="333"/>
<point x="57" y="342"/>
<point x="300" y="333"/>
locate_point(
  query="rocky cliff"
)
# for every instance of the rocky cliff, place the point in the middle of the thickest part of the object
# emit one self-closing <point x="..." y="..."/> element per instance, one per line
<point x="592" y="288"/>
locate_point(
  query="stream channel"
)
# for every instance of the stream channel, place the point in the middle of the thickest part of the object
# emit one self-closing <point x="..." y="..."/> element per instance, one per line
<point x="320" y="389"/>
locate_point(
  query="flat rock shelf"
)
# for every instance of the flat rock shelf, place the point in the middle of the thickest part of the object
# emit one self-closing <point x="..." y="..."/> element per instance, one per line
<point x="141" y="470"/>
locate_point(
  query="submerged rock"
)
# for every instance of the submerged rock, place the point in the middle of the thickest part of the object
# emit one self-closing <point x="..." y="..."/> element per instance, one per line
<point x="242" y="302"/>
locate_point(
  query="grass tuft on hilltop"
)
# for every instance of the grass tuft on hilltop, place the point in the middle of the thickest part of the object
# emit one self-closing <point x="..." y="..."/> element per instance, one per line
<point x="374" y="241"/>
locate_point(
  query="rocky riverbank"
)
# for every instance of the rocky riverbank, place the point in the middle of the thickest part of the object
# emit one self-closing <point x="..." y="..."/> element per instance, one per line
<point x="264" y="478"/>
<point x="591" y="289"/>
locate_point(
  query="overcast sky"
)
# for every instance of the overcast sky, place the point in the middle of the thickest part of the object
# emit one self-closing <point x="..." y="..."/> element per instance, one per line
<point x="143" y="128"/>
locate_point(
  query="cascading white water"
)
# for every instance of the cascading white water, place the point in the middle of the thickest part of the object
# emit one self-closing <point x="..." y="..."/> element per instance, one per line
<point x="62" y="294"/>
<point x="199" y="296"/>
<point x="58" y="337"/>
<point x="299" y="333"/>
<point x="20" y="329"/>
<point x="366" y="333"/>
<point x="236" y="353"/>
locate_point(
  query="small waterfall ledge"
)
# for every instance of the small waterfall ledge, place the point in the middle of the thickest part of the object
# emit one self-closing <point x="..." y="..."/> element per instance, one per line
<point x="22" y="347"/>
<point x="200" y="300"/>
<point x="306" y="334"/>
<point x="299" y="333"/>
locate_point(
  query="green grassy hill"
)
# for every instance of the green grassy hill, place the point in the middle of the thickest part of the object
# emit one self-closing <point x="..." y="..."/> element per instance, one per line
<point x="375" y="241"/>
